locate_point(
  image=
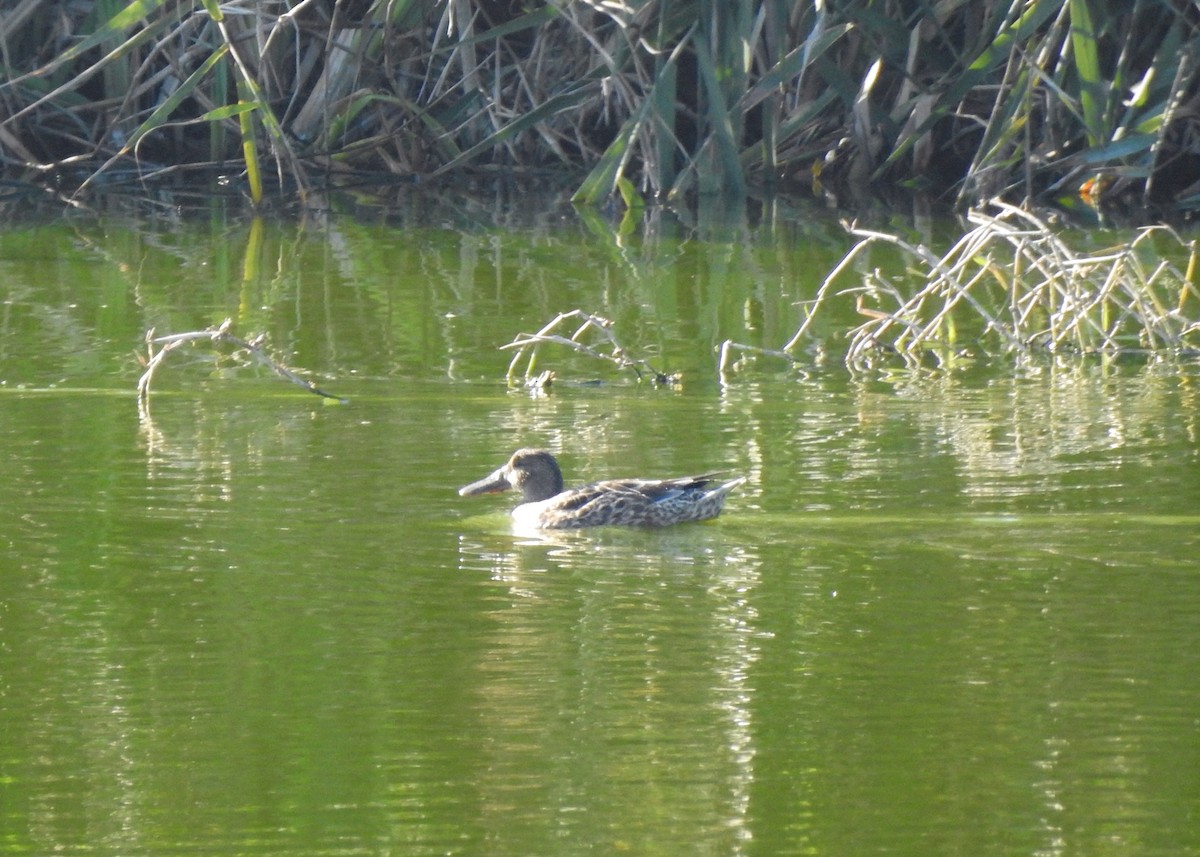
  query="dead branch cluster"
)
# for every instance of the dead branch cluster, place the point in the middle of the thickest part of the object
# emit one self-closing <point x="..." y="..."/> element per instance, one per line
<point x="1009" y="285"/>
<point x="593" y="337"/>
<point x="218" y="334"/>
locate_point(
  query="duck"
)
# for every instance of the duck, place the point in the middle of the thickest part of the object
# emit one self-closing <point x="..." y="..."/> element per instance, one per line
<point x="621" y="502"/>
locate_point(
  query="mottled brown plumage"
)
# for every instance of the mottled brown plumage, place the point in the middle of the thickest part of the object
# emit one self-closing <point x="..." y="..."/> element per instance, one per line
<point x="622" y="502"/>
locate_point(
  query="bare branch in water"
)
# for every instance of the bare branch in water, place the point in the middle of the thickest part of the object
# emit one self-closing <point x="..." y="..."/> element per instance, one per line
<point x="1009" y="282"/>
<point x="529" y="343"/>
<point x="220" y="333"/>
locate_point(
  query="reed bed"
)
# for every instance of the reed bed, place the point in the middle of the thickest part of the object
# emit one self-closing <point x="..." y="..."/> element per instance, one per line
<point x="1010" y="286"/>
<point x="635" y="98"/>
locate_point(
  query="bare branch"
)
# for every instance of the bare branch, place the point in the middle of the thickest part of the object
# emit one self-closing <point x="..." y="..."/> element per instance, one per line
<point x="527" y="344"/>
<point x="220" y="333"/>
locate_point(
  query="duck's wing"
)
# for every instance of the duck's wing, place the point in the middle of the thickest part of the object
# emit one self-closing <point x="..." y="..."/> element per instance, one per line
<point x="637" y="502"/>
<point x="662" y="490"/>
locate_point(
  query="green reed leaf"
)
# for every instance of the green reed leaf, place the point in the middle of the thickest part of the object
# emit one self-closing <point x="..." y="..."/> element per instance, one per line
<point x="1087" y="63"/>
<point x="163" y="112"/>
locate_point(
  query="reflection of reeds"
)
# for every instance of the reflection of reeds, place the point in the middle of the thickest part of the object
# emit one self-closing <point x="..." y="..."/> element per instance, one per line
<point x="1010" y="284"/>
<point x="654" y="97"/>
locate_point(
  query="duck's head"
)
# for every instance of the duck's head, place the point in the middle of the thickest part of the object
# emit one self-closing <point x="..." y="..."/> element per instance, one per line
<point x="533" y="472"/>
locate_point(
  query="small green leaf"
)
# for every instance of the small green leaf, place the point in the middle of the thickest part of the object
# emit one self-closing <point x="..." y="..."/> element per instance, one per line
<point x="632" y="199"/>
<point x="228" y="111"/>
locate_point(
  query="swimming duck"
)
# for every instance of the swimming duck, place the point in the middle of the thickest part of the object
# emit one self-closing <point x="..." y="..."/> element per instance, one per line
<point x="629" y="502"/>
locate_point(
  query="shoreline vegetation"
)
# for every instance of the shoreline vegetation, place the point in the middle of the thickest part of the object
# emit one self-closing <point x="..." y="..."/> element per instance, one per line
<point x="1021" y="100"/>
<point x="1009" y="288"/>
<point x="999" y="108"/>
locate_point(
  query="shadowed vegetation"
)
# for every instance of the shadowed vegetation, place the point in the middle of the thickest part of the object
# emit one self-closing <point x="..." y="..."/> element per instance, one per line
<point x="646" y="98"/>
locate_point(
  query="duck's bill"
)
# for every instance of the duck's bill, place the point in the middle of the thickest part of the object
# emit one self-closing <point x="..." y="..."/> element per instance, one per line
<point x="492" y="484"/>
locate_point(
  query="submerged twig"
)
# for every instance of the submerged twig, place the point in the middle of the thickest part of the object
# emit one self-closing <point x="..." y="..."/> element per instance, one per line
<point x="220" y="333"/>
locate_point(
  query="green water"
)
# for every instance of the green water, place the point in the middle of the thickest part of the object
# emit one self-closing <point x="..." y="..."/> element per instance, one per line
<point x="948" y="614"/>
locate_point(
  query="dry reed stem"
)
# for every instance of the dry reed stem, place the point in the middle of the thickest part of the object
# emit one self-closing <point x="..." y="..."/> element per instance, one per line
<point x="1009" y="278"/>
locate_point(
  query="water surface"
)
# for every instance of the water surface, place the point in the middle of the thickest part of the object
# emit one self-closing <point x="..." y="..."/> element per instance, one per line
<point x="948" y="614"/>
